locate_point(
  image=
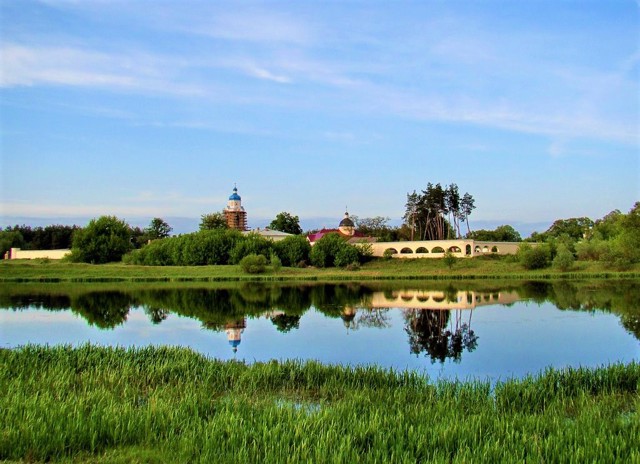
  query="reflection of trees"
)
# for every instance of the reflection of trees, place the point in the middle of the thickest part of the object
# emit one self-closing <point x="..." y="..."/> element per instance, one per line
<point x="431" y="332"/>
<point x="215" y="307"/>
<point x="536" y="291"/>
<point x="48" y="301"/>
<point x="376" y="318"/>
<point x="103" y="309"/>
<point x="331" y="300"/>
<point x="156" y="314"/>
<point x="285" y="322"/>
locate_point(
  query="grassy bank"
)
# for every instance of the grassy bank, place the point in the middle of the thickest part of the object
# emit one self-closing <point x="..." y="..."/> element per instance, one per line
<point x="172" y="405"/>
<point x="476" y="268"/>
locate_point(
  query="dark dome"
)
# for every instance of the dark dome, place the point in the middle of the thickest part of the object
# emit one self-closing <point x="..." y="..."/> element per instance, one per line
<point x="346" y="222"/>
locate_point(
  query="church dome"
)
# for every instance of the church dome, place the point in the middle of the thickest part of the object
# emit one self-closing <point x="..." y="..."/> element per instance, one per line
<point x="234" y="195"/>
<point x="346" y="222"/>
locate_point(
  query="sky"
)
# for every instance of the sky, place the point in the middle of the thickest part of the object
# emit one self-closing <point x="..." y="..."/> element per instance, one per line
<point x="144" y="109"/>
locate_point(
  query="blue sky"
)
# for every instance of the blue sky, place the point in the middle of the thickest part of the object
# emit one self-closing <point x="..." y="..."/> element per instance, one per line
<point x="156" y="108"/>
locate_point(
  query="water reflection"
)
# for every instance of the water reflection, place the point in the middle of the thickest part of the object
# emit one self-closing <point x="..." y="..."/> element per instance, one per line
<point x="437" y="320"/>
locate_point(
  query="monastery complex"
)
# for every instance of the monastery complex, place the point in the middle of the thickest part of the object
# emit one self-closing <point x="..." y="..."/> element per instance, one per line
<point x="462" y="248"/>
<point x="236" y="218"/>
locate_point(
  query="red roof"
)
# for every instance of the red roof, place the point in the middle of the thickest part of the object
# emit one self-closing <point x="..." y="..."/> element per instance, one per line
<point x="321" y="233"/>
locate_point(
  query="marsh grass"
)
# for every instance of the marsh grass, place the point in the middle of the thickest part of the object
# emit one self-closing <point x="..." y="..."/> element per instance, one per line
<point x="172" y="405"/>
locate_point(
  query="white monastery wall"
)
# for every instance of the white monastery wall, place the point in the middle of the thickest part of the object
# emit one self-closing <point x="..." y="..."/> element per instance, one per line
<point x="17" y="253"/>
<point x="437" y="248"/>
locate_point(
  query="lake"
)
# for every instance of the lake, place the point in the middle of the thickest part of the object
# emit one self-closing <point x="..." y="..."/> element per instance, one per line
<point x="456" y="330"/>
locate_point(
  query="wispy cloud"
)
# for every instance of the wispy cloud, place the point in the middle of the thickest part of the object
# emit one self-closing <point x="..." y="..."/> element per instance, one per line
<point x="24" y="65"/>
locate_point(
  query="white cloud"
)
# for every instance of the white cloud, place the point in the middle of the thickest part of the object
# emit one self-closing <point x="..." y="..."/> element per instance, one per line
<point x="42" y="65"/>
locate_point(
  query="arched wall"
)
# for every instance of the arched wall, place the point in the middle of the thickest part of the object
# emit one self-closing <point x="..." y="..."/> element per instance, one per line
<point x="464" y="248"/>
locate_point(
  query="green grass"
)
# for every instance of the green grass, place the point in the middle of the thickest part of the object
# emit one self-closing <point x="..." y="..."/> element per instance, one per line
<point x="95" y="404"/>
<point x="427" y="269"/>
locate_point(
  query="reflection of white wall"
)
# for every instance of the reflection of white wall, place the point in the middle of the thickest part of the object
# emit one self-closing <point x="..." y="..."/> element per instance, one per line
<point x="17" y="253"/>
<point x="423" y="299"/>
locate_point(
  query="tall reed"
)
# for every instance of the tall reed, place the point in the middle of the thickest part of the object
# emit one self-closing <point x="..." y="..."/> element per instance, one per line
<point x="173" y="405"/>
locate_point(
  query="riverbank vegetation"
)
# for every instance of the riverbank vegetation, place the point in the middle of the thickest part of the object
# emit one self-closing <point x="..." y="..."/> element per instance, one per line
<point x="489" y="267"/>
<point x="172" y="405"/>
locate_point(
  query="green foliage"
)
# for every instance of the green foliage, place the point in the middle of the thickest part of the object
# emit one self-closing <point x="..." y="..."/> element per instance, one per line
<point x="449" y="259"/>
<point x="534" y="257"/>
<point x="199" y="248"/>
<point x="427" y="213"/>
<point x="346" y="256"/>
<point x="253" y="264"/>
<point x="53" y="237"/>
<point x="103" y="240"/>
<point x="10" y="239"/>
<point x="293" y="250"/>
<point x="250" y="244"/>
<point x="375" y="227"/>
<point x="504" y="233"/>
<point x="324" y="251"/>
<point x="276" y="263"/>
<point x="388" y="254"/>
<point x="332" y="250"/>
<point x="615" y="240"/>
<point x="157" y="229"/>
<point x="286" y="222"/>
<point x="213" y="221"/>
<point x="574" y="229"/>
<point x="564" y="260"/>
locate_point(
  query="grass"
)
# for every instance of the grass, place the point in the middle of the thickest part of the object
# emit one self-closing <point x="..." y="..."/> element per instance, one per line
<point x="94" y="404"/>
<point x="426" y="269"/>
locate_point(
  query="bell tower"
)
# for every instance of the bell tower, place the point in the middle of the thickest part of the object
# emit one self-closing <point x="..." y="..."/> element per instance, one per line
<point x="234" y="213"/>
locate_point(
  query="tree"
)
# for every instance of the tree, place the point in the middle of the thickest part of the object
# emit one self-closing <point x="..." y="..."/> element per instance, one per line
<point x="286" y="222"/>
<point x="158" y="229"/>
<point x="213" y="221"/>
<point x="103" y="240"/>
<point x="374" y="227"/>
<point x="503" y="233"/>
<point x="10" y="239"/>
<point x="466" y="207"/>
<point x="293" y="250"/>
<point x="436" y="213"/>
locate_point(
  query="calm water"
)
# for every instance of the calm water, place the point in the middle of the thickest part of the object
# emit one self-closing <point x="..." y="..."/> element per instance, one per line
<point x="444" y="330"/>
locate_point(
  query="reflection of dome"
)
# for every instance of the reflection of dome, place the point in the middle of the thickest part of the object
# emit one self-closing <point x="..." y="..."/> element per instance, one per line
<point x="348" y="315"/>
<point x="234" y="333"/>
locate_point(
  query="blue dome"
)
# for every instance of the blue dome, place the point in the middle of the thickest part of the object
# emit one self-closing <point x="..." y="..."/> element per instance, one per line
<point x="234" y="343"/>
<point x="234" y="195"/>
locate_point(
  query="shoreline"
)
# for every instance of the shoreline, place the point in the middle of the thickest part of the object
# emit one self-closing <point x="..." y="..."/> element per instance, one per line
<point x="379" y="270"/>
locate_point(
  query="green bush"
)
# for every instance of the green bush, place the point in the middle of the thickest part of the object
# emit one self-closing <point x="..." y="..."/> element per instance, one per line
<point x="534" y="257"/>
<point x="564" y="259"/>
<point x="276" y="263"/>
<point x="103" y="240"/>
<point x="346" y="255"/>
<point x="196" y="249"/>
<point x="388" y="253"/>
<point x="323" y="253"/>
<point x="449" y="259"/>
<point x="253" y="264"/>
<point x="293" y="250"/>
<point x="333" y="250"/>
<point x="250" y="244"/>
